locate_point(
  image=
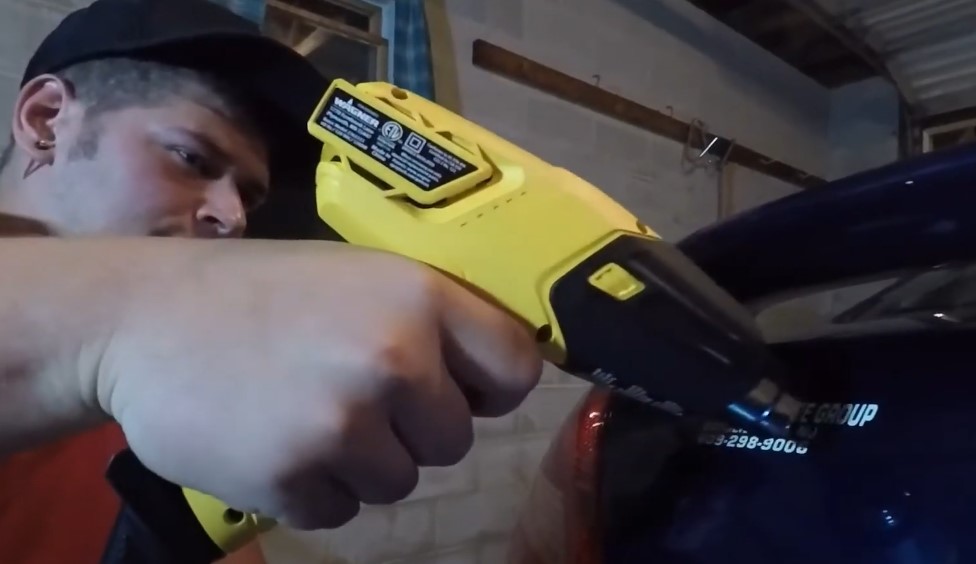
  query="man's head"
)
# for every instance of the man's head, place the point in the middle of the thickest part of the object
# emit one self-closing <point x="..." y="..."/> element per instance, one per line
<point x="133" y="147"/>
<point x="155" y="117"/>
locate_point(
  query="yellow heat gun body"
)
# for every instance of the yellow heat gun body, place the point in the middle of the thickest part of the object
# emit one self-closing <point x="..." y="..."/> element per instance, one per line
<point x="607" y="299"/>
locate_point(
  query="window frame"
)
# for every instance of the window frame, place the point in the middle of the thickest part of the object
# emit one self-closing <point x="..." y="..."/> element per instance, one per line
<point x="929" y="132"/>
<point x="387" y="13"/>
<point x="384" y="10"/>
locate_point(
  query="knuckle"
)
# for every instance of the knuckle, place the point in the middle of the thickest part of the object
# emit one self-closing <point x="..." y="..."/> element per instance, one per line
<point x="394" y="358"/>
<point x="454" y="447"/>
<point x="429" y="281"/>
<point x="419" y="282"/>
<point x="343" y="513"/>
<point x="529" y="368"/>
<point x="330" y="514"/>
<point x="402" y="485"/>
<point x="399" y="367"/>
<point x="523" y="375"/>
<point x="328" y="432"/>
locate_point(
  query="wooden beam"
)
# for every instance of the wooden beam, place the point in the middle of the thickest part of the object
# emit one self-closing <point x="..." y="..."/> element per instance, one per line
<point x="535" y="75"/>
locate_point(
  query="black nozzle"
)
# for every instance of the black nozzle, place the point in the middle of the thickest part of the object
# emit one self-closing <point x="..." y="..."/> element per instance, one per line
<point x="666" y="334"/>
<point x="767" y="408"/>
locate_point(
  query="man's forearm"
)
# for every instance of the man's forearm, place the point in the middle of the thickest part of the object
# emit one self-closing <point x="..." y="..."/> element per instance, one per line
<point x="60" y="300"/>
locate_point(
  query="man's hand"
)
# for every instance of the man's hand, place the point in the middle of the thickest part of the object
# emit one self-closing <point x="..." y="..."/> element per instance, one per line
<point x="300" y="380"/>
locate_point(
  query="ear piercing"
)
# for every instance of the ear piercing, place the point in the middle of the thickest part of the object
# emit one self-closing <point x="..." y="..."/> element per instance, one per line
<point x="34" y="164"/>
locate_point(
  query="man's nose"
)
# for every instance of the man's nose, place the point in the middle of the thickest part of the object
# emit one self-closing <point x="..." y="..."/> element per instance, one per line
<point x="222" y="213"/>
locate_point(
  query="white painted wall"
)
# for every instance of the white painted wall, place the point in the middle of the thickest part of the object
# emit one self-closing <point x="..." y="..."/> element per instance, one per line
<point x="664" y="54"/>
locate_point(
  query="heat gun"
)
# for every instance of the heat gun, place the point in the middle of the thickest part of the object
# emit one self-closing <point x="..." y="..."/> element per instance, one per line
<point x="608" y="300"/>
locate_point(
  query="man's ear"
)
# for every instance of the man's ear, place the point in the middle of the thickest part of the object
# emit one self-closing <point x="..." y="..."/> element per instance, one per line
<point x="42" y="102"/>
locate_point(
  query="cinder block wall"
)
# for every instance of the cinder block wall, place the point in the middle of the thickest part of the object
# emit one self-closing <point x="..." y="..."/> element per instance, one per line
<point x="665" y="54"/>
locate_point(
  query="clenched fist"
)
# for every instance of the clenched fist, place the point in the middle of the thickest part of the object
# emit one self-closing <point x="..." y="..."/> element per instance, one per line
<point x="300" y="380"/>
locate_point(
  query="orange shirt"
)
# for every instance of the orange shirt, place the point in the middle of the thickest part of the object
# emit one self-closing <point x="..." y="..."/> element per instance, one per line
<point x="55" y="504"/>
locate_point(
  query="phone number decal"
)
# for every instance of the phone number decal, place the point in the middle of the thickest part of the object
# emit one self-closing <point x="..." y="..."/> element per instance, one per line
<point x="752" y="442"/>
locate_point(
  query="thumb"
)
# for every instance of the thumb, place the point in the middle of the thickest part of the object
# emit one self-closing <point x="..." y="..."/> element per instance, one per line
<point x="490" y="354"/>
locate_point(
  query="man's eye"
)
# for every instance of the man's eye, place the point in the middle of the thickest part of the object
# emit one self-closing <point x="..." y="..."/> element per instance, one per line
<point x="191" y="159"/>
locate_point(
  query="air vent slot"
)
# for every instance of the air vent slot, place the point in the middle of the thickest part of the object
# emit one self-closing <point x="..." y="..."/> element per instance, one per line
<point x="369" y="176"/>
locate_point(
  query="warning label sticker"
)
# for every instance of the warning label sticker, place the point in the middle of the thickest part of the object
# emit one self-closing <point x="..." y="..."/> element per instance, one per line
<point x="389" y="142"/>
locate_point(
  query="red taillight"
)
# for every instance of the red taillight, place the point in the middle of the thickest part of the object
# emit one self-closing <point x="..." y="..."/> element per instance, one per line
<point x="560" y="522"/>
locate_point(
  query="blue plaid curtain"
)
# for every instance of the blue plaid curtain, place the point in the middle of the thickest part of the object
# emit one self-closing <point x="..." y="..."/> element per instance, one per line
<point x="250" y="9"/>
<point x="412" y="66"/>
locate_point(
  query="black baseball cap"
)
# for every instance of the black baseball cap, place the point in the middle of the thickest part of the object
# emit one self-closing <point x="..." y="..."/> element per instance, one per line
<point x="280" y="86"/>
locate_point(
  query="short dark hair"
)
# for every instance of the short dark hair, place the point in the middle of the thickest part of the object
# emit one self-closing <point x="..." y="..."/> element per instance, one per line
<point x="115" y="83"/>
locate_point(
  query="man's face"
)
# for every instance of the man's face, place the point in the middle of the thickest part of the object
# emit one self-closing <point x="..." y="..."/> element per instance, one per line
<point x="175" y="169"/>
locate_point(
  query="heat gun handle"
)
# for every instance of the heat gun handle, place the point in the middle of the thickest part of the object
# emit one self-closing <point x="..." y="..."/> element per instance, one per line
<point x="164" y="523"/>
<point x="638" y="316"/>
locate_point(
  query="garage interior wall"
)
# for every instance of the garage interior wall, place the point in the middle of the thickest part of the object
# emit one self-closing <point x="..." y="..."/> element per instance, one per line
<point x="664" y="54"/>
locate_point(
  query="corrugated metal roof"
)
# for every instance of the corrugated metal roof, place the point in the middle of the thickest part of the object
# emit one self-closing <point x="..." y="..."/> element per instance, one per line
<point x="929" y="46"/>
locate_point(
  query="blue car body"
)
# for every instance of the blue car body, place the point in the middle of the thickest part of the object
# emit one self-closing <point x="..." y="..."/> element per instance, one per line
<point x="889" y="473"/>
